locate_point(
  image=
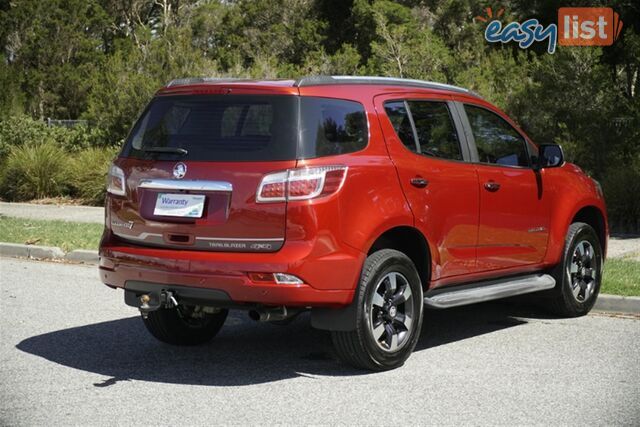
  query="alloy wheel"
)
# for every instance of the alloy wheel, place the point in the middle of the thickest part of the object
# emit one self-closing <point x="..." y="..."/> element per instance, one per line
<point x="583" y="271"/>
<point x="391" y="312"/>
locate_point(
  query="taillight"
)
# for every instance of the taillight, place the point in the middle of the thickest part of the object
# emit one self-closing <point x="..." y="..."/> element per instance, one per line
<point x="116" y="181"/>
<point x="301" y="183"/>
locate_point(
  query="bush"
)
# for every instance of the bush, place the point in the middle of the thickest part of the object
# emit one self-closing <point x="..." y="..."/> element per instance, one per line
<point x="20" y="130"/>
<point x="34" y="171"/>
<point x="621" y="187"/>
<point x="88" y="173"/>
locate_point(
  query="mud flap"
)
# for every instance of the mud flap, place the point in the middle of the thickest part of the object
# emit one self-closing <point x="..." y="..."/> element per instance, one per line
<point x="335" y="319"/>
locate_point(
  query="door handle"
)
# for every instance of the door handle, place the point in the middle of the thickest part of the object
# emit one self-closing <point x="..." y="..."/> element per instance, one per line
<point x="491" y="186"/>
<point x="419" y="182"/>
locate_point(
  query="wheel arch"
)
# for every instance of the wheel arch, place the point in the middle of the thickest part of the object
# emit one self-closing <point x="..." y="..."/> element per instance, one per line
<point x="404" y="238"/>
<point x="410" y="241"/>
<point x="593" y="216"/>
<point x="589" y="212"/>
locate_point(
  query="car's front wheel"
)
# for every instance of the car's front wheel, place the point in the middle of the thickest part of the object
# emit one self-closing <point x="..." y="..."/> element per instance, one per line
<point x="185" y="324"/>
<point x="579" y="274"/>
<point x="389" y="314"/>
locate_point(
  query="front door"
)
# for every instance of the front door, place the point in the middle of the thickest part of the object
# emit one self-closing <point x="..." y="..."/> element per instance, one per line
<point x="514" y="217"/>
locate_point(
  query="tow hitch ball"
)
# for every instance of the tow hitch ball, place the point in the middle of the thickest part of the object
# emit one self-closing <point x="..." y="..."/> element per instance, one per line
<point x="151" y="302"/>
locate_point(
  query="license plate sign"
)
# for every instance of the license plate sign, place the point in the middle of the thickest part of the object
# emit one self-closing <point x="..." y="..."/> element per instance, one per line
<point x="180" y="205"/>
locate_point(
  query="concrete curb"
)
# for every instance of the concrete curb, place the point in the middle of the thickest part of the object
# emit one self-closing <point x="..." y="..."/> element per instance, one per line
<point x="17" y="250"/>
<point x="617" y="304"/>
<point x="83" y="255"/>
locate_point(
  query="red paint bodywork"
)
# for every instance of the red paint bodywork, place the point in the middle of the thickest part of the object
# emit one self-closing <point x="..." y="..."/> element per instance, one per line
<point x="472" y="234"/>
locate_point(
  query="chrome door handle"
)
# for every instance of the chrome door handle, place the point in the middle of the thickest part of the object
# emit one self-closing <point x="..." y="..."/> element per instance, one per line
<point x="491" y="186"/>
<point x="419" y="182"/>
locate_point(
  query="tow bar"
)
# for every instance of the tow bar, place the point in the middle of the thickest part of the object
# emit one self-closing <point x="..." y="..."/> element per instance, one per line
<point x="152" y="302"/>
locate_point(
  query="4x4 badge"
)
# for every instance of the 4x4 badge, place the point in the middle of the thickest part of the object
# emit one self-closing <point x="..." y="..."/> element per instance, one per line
<point x="179" y="170"/>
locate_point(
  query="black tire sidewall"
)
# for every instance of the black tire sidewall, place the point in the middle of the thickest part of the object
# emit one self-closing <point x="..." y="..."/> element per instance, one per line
<point x="394" y="262"/>
<point x="168" y="326"/>
<point x="582" y="232"/>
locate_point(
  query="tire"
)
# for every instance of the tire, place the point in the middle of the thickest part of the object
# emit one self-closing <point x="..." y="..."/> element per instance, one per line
<point x="184" y="325"/>
<point x="384" y="336"/>
<point x="579" y="274"/>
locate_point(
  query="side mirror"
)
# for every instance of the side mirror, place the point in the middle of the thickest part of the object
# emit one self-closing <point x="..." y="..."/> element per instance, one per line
<point x="550" y="156"/>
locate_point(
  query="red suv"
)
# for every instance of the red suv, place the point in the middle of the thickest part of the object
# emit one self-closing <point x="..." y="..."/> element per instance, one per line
<point x="361" y="199"/>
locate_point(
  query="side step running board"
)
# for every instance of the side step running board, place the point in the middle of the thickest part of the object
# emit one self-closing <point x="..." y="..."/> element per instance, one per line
<point x="490" y="291"/>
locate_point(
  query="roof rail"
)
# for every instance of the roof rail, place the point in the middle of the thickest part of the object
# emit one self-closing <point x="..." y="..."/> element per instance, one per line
<point x="370" y="80"/>
<point x="196" y="80"/>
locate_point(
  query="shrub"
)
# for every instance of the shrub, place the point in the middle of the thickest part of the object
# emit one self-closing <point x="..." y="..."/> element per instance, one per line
<point x="19" y="130"/>
<point x="34" y="171"/>
<point x="88" y="173"/>
<point x="621" y="187"/>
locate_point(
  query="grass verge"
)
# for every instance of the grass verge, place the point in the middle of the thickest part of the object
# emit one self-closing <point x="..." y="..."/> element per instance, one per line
<point x="621" y="277"/>
<point x="66" y="235"/>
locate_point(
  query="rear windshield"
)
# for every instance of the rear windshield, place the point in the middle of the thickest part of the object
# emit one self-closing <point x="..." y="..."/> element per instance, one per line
<point x="247" y="128"/>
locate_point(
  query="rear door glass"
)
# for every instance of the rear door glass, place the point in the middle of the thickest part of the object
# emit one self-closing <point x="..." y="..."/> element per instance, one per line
<point x="430" y="122"/>
<point x="399" y="117"/>
<point x="437" y="136"/>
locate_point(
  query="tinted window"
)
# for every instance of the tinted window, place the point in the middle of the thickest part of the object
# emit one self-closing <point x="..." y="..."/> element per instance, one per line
<point x="248" y="128"/>
<point x="497" y="141"/>
<point x="399" y="117"/>
<point x="218" y="128"/>
<point x="436" y="132"/>
<point x="331" y="126"/>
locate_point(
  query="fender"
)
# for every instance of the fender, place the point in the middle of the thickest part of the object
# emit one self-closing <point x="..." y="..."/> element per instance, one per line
<point x="584" y="193"/>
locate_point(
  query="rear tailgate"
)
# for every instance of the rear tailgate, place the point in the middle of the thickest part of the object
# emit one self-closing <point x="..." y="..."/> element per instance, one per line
<point x="192" y="166"/>
<point x="230" y="218"/>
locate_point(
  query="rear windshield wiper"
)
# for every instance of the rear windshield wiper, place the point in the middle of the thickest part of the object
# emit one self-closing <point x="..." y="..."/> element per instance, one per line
<point x="170" y="150"/>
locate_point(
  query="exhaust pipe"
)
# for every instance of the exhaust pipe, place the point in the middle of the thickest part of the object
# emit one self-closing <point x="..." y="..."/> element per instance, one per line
<point x="272" y="314"/>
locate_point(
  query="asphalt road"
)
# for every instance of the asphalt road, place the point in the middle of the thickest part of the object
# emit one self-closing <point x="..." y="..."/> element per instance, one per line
<point x="71" y="352"/>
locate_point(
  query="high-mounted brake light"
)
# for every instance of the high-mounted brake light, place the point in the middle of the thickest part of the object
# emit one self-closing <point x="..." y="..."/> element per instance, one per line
<point x="116" y="181"/>
<point x="301" y="183"/>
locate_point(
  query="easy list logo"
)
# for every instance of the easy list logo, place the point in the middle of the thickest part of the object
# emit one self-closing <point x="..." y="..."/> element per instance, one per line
<point x="581" y="26"/>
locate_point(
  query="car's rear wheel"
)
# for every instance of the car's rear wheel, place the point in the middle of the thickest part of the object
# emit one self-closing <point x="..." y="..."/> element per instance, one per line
<point x="185" y="324"/>
<point x="579" y="274"/>
<point x="389" y="314"/>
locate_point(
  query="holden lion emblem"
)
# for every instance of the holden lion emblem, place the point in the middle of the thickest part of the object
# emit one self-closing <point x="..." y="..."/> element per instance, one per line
<point x="179" y="170"/>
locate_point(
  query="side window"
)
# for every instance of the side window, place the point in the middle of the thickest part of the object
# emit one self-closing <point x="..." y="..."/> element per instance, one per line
<point x="497" y="141"/>
<point x="399" y="117"/>
<point x="437" y="136"/>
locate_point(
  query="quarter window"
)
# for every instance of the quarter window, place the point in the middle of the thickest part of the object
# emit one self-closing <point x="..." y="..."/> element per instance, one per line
<point x="496" y="140"/>
<point x="331" y="127"/>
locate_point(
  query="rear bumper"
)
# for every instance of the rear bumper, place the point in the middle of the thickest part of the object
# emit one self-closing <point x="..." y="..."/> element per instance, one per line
<point x="330" y="276"/>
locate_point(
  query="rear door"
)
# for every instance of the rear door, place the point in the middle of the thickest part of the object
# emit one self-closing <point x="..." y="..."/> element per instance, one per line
<point x="192" y="166"/>
<point x="426" y="145"/>
<point x="514" y="214"/>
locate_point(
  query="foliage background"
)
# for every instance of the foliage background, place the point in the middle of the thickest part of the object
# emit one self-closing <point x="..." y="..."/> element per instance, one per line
<point x="101" y="61"/>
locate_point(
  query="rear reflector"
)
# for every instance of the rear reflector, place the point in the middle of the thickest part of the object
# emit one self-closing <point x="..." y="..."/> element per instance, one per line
<point x="278" y="278"/>
<point x="301" y="184"/>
